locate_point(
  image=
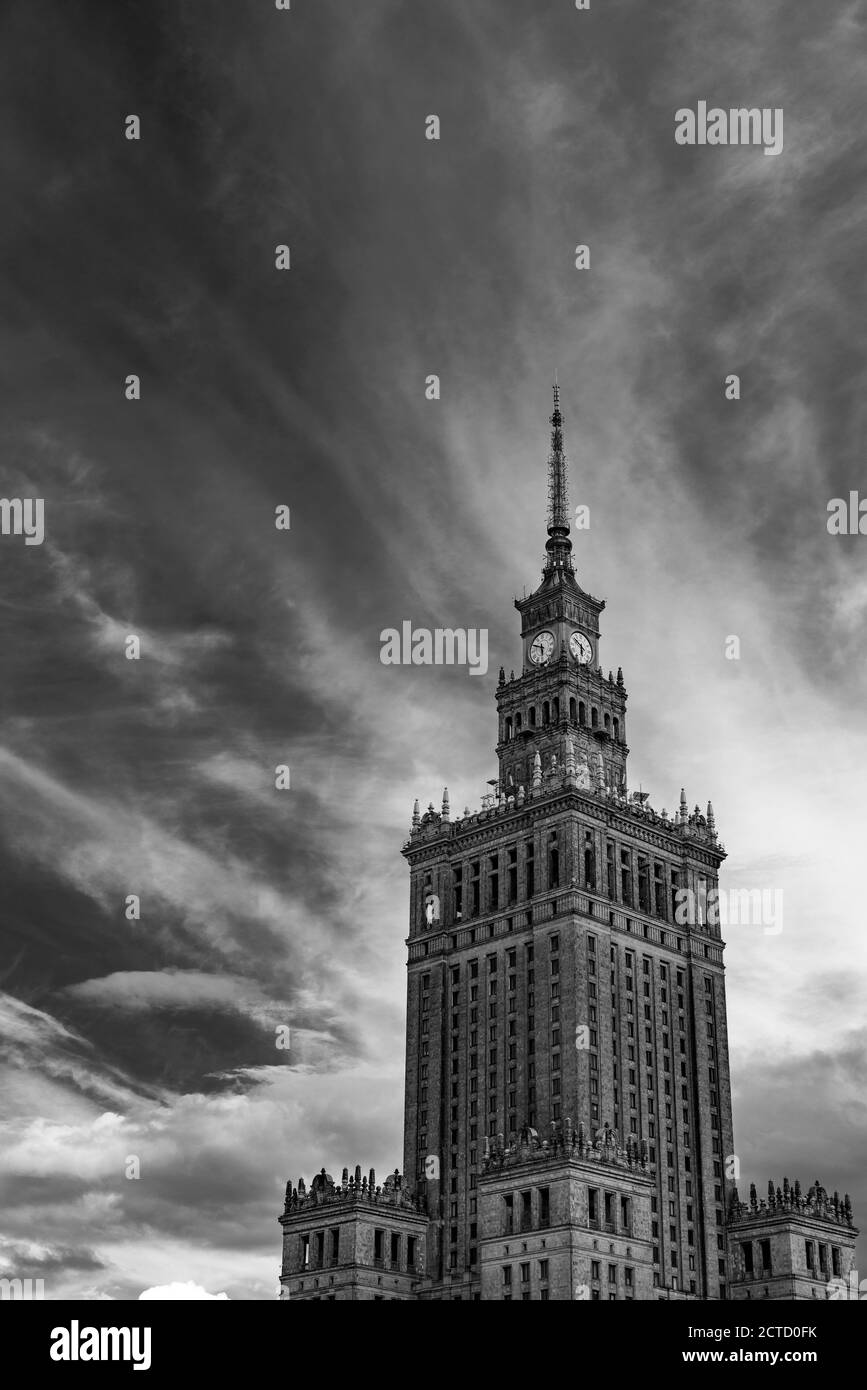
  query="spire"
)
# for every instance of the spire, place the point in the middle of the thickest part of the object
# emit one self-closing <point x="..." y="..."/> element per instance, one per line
<point x="445" y="803"/>
<point x="558" y="544"/>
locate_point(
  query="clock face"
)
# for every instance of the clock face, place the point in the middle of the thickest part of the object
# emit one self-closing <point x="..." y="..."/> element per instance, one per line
<point x="580" y="647"/>
<point x="541" y="648"/>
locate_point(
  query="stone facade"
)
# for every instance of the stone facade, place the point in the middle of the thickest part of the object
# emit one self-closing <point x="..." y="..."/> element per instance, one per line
<point x="565" y="980"/>
<point x="565" y="1220"/>
<point x="353" y="1241"/>
<point x="792" y="1246"/>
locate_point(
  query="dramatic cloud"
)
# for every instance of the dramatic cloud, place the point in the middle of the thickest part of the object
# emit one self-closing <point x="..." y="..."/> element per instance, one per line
<point x="155" y="1036"/>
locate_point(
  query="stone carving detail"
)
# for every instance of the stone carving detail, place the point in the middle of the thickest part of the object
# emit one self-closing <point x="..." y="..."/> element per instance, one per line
<point x="789" y="1198"/>
<point x="565" y="1141"/>
<point x="323" y="1190"/>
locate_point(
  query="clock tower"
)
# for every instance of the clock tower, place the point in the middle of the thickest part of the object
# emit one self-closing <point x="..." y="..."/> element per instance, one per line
<point x="561" y="710"/>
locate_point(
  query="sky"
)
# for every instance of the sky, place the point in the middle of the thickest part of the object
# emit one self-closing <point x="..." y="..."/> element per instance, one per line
<point x="154" y="1040"/>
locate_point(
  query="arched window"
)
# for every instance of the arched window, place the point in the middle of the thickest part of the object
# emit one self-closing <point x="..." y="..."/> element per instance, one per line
<point x="517" y="723"/>
<point x="573" y="714"/>
<point x="531" y="715"/>
<point x="556" y="709"/>
<point x="616" y="730"/>
<point x="608" y="722"/>
<point x="546" y="713"/>
<point x="594" y="717"/>
<point x="582" y="713"/>
<point x="508" y="732"/>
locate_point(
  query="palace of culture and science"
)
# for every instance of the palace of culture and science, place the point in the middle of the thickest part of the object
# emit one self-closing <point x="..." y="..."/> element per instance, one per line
<point x="568" y="1117"/>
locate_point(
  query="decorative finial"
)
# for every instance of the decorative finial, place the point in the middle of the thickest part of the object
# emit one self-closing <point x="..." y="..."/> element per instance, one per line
<point x="711" y="823"/>
<point x="445" y="803"/>
<point x="558" y="546"/>
<point x="620" y="675"/>
<point x="415" y="814"/>
<point x="684" y="811"/>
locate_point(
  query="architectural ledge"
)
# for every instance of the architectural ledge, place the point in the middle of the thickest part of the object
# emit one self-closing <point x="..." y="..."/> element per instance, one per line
<point x="567" y="1144"/>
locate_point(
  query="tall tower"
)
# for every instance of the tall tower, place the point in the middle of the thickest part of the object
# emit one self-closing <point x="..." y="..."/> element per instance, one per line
<point x="563" y="974"/>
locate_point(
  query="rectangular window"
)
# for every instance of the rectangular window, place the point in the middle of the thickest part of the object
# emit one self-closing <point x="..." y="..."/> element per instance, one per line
<point x="508" y="1202"/>
<point x="625" y="1214"/>
<point x="545" y="1206"/>
<point x="526" y="1221"/>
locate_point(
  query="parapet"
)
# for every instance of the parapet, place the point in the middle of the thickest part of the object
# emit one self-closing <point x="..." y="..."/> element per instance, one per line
<point x="324" y="1191"/>
<point x="567" y="1142"/>
<point x="789" y="1200"/>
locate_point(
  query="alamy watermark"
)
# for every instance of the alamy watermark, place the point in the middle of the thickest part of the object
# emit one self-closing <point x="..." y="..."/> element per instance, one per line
<point x="77" y="1343"/>
<point x="444" y="646"/>
<point x="21" y="1289"/>
<point x="23" y="516"/>
<point x="746" y="907"/>
<point x="738" y="126"/>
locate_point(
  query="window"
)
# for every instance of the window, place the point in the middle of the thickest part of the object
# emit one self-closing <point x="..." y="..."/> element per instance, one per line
<point x="395" y="1250"/>
<point x="378" y="1246"/>
<point x="593" y="1206"/>
<point x="525" y="1274"/>
<point x="609" y="1211"/>
<point x="335" y="1245"/>
<point x="625" y="1214"/>
<point x="544" y="1206"/>
<point x="526" y="1222"/>
<point x="508" y="1202"/>
<point x="766" y="1256"/>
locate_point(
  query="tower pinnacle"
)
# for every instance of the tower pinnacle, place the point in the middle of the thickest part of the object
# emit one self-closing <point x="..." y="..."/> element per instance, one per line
<point x="558" y="546"/>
